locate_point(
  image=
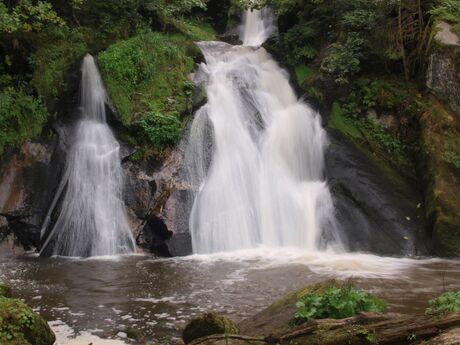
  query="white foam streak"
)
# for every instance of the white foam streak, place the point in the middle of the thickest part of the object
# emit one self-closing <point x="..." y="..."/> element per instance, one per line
<point x="327" y="262"/>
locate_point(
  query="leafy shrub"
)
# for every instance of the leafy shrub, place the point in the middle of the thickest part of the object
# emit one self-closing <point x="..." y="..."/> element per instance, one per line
<point x="343" y="60"/>
<point x="448" y="302"/>
<point x="147" y="71"/>
<point x="27" y="16"/>
<point x="59" y="50"/>
<point x="300" y="54"/>
<point x="21" y="117"/>
<point x="336" y="303"/>
<point x="162" y="130"/>
<point x="398" y="97"/>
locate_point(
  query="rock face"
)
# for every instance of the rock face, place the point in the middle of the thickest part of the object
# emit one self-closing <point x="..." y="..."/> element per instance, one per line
<point x="28" y="180"/>
<point x="376" y="213"/>
<point x="439" y="140"/>
<point x="443" y="73"/>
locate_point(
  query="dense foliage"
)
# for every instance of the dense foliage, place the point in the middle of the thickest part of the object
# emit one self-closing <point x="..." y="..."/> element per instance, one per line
<point x="21" y="117"/>
<point x="42" y="41"/>
<point x="448" y="302"/>
<point x="146" y="77"/>
<point x="336" y="303"/>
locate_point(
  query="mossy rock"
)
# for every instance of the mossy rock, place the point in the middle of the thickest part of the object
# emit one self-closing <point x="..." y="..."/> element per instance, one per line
<point x="208" y="324"/>
<point x="440" y="136"/>
<point x="5" y="291"/>
<point x="276" y="317"/>
<point x="19" y="325"/>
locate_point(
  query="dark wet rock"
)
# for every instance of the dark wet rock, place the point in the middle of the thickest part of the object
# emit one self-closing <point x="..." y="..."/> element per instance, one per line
<point x="28" y="180"/>
<point x="443" y="72"/>
<point x="376" y="212"/>
<point x="208" y="324"/>
<point x="19" y="325"/>
<point x="231" y="38"/>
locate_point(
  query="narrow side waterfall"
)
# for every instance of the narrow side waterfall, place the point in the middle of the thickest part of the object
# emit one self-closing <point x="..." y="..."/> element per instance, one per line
<point x="264" y="182"/>
<point x="92" y="219"/>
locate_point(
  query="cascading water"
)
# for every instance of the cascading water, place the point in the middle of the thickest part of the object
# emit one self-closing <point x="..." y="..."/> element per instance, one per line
<point x="257" y="27"/>
<point x="264" y="183"/>
<point x="92" y="219"/>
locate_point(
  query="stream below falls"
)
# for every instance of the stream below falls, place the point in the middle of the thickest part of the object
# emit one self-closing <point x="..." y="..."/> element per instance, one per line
<point x="108" y="297"/>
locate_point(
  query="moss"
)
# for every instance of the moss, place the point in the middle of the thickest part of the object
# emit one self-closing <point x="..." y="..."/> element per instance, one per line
<point x="196" y="30"/>
<point x="22" y="117"/>
<point x="303" y="72"/>
<point x="19" y="325"/>
<point x="5" y="291"/>
<point x="208" y="324"/>
<point x="392" y="156"/>
<point x="59" y="50"/>
<point x="149" y="74"/>
<point x="440" y="129"/>
<point x="343" y="124"/>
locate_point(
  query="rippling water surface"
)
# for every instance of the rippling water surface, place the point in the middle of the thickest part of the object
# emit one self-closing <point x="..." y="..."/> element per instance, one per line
<point x="108" y="297"/>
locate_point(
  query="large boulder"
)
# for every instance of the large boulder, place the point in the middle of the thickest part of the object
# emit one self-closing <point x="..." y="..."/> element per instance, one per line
<point x="443" y="73"/>
<point x="19" y="325"/>
<point x="208" y="324"/>
<point x="377" y="209"/>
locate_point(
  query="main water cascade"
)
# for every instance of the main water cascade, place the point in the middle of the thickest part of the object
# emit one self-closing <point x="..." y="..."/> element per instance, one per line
<point x="92" y="219"/>
<point x="264" y="182"/>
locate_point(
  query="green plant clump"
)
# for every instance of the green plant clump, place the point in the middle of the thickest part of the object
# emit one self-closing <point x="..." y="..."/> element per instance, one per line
<point x="147" y="79"/>
<point x="448" y="302"/>
<point x="19" y="325"/>
<point x="448" y="10"/>
<point x="162" y="130"/>
<point x="336" y="303"/>
<point x="21" y="117"/>
<point x="58" y="51"/>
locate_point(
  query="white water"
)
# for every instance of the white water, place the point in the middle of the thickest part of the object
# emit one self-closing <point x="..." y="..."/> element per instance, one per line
<point x="257" y="27"/>
<point x="264" y="183"/>
<point x="92" y="220"/>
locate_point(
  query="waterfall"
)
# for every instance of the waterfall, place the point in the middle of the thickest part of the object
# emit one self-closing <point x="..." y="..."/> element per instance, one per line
<point x="263" y="183"/>
<point x="92" y="218"/>
<point x="258" y="25"/>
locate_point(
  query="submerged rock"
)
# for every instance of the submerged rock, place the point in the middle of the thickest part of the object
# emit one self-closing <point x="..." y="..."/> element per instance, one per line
<point x="208" y="324"/>
<point x="19" y="325"/>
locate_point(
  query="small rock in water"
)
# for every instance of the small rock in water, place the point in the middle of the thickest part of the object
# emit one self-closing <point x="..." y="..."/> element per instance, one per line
<point x="408" y="218"/>
<point x="122" y="335"/>
<point x="406" y="238"/>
